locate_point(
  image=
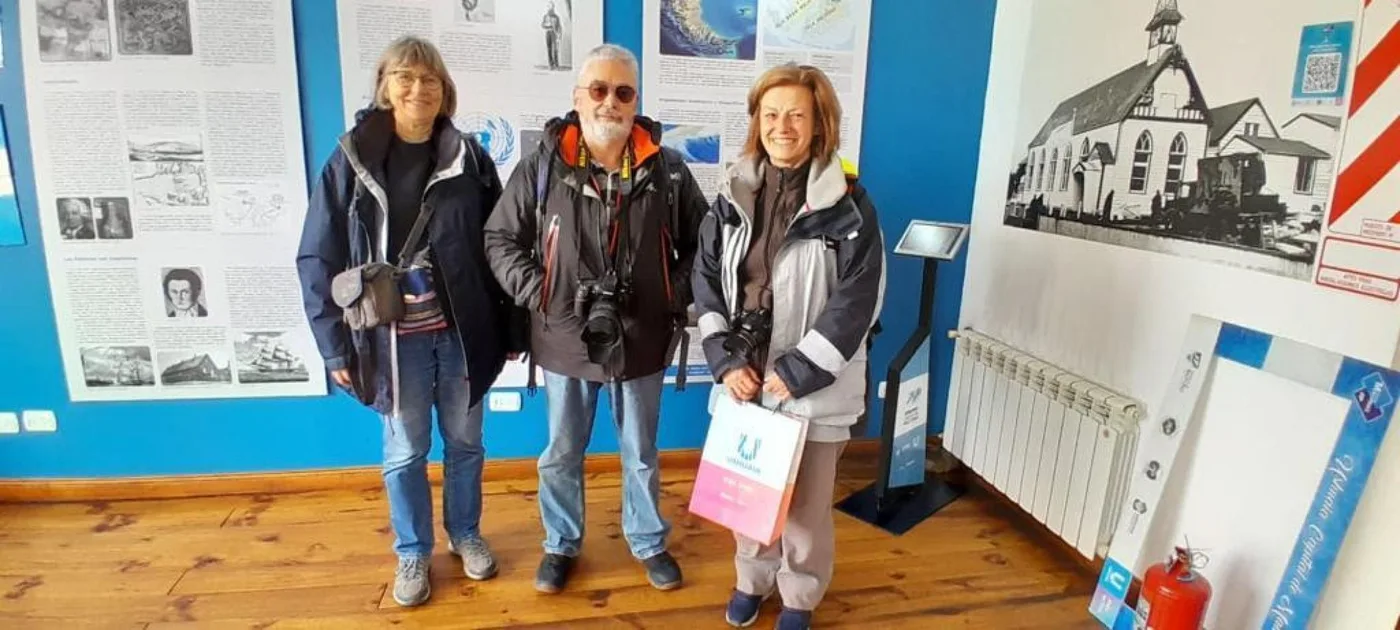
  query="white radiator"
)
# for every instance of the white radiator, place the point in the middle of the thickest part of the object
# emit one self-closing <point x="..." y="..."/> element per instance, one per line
<point x="1061" y="446"/>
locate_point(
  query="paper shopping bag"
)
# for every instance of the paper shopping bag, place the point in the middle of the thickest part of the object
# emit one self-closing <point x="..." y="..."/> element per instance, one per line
<point x="748" y="468"/>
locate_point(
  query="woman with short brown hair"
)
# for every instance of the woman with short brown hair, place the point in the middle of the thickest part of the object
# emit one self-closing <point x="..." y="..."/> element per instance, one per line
<point x="788" y="281"/>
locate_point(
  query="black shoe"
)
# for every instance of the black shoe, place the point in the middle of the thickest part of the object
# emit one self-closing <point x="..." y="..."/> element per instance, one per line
<point x="553" y="573"/>
<point x="663" y="572"/>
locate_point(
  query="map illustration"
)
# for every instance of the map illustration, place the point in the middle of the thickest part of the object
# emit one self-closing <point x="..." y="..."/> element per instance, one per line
<point x="819" y="24"/>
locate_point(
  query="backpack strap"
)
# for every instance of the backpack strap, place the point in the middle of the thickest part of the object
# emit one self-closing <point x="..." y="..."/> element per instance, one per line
<point x="543" y="168"/>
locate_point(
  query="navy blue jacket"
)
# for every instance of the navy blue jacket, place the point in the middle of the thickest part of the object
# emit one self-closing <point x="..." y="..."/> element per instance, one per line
<point x="346" y="226"/>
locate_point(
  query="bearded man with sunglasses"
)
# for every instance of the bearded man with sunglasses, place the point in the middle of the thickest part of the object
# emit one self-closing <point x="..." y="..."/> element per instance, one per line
<point x="595" y="234"/>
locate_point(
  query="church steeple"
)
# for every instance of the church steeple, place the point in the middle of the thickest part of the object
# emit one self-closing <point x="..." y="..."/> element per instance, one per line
<point x="1161" y="31"/>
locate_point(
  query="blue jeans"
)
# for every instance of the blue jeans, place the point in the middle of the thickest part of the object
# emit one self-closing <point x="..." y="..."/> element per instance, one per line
<point x="432" y="371"/>
<point x="636" y="406"/>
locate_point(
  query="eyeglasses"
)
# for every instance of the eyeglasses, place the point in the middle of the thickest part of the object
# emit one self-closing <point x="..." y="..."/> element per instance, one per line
<point x="598" y="91"/>
<point x="406" y="79"/>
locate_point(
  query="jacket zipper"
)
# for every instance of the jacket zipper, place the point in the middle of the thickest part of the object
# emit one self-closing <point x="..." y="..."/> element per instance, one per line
<point x="446" y="285"/>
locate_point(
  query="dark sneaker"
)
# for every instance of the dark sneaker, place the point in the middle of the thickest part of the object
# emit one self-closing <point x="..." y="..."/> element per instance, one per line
<point x="663" y="572"/>
<point x="477" y="561"/>
<point x="791" y="619"/>
<point x="411" y="586"/>
<point x="553" y="573"/>
<point x="743" y="609"/>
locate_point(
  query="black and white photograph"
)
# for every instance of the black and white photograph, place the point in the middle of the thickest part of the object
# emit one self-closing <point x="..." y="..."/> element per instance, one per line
<point x="476" y="11"/>
<point x="74" y="30"/>
<point x="1173" y="130"/>
<point x="75" y="219"/>
<point x="113" y="217"/>
<point x="182" y="290"/>
<point x="267" y="357"/>
<point x="118" y="366"/>
<point x="154" y="27"/>
<point x="194" y="367"/>
<point x="168" y="171"/>
<point x="556" y="35"/>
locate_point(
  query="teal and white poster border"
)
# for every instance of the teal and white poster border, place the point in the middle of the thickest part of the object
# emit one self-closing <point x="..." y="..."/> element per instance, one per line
<point x="1371" y="392"/>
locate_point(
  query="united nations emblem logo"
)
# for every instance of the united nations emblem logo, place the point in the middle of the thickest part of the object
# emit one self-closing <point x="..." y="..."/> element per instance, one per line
<point x="495" y="134"/>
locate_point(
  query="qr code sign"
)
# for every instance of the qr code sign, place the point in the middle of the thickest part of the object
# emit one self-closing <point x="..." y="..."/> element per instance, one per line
<point x="1322" y="73"/>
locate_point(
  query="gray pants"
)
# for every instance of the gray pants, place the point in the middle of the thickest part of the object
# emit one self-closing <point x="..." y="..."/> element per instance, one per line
<point x="799" y="563"/>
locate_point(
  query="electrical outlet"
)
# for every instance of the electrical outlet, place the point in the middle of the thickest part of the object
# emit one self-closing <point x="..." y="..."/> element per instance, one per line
<point x="40" y="421"/>
<point x="504" y="401"/>
<point x="9" y="422"/>
<point x="881" y="392"/>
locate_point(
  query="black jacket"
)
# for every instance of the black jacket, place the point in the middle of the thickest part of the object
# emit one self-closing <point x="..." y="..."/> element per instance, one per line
<point x="540" y="260"/>
<point x="346" y="227"/>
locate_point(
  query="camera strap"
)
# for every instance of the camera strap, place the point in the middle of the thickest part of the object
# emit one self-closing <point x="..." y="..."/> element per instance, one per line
<point x="618" y="249"/>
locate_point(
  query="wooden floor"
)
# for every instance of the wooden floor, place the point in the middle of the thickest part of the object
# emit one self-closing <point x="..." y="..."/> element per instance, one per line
<point x="322" y="560"/>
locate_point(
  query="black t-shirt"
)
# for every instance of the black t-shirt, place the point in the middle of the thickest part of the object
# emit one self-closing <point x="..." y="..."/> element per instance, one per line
<point x="406" y="169"/>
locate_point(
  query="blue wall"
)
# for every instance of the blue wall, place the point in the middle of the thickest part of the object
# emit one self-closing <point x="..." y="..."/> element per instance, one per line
<point x="927" y="79"/>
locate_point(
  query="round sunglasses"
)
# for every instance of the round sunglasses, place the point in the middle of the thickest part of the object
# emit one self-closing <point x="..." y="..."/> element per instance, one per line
<point x="599" y="90"/>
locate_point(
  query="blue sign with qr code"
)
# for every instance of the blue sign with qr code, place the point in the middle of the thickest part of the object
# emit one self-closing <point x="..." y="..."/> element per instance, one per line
<point x="1324" y="55"/>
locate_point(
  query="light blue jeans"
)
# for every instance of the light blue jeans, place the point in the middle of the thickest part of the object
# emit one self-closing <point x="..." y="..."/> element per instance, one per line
<point x="432" y="372"/>
<point x="636" y="406"/>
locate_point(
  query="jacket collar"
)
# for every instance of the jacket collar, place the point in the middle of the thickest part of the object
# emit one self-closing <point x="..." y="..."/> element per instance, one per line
<point x="564" y="134"/>
<point x="367" y="144"/>
<point x="828" y="182"/>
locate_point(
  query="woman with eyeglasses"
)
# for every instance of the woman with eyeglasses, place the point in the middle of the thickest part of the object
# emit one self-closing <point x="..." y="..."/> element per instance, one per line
<point x="407" y="188"/>
<point x="791" y="266"/>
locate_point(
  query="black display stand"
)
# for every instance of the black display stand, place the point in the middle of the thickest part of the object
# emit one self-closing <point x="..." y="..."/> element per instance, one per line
<point x="897" y="510"/>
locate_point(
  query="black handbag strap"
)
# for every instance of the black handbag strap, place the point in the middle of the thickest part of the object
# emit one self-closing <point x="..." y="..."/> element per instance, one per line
<point x="415" y="234"/>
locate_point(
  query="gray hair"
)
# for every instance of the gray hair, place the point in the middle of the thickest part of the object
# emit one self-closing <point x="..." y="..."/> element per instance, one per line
<point x="610" y="52"/>
<point x="409" y="51"/>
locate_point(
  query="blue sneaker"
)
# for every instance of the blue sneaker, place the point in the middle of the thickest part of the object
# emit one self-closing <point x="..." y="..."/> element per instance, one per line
<point x="743" y="609"/>
<point x="791" y="619"/>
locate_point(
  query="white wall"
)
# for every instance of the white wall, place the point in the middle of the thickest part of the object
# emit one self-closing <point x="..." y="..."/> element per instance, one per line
<point x="1119" y="314"/>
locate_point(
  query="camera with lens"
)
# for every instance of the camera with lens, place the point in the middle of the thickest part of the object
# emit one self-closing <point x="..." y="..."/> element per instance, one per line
<point x="749" y="333"/>
<point x="599" y="304"/>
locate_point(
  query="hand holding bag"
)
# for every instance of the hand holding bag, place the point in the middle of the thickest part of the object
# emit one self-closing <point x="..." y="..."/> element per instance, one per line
<point x="369" y="295"/>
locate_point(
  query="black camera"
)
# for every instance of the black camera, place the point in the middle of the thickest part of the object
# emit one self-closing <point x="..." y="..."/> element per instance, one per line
<point x="749" y="333"/>
<point x="599" y="304"/>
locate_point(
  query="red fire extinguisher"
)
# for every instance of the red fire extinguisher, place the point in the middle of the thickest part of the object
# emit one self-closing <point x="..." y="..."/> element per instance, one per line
<point x="1174" y="595"/>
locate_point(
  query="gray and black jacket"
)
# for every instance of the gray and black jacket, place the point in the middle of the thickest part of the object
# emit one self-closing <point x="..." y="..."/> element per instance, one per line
<point x="828" y="282"/>
<point x="539" y="253"/>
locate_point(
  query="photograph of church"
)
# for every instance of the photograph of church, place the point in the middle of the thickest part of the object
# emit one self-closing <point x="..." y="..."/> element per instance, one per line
<point x="1181" y="151"/>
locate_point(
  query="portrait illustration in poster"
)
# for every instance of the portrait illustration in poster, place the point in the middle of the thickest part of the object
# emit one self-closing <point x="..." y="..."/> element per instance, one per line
<point x="182" y="289"/>
<point x="75" y="219"/>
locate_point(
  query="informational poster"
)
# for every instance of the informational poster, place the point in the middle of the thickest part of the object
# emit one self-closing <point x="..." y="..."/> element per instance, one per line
<point x="514" y="61"/>
<point x="701" y="58"/>
<point x="1361" y="247"/>
<point x="907" y="451"/>
<point x="168" y="165"/>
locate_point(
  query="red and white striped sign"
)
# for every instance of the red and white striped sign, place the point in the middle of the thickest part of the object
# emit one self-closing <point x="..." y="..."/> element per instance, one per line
<point x="1361" y="251"/>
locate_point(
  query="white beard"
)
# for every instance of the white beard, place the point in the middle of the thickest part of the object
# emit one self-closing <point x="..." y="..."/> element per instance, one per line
<point x="600" y="132"/>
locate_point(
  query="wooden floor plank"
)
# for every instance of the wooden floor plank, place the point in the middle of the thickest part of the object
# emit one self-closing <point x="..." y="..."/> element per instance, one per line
<point x="322" y="559"/>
